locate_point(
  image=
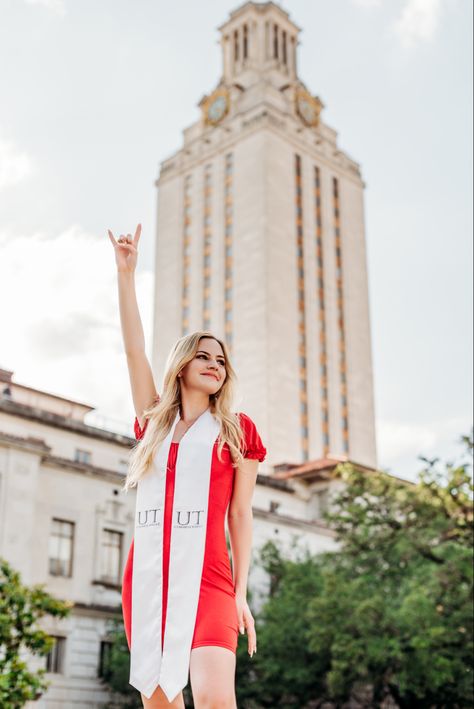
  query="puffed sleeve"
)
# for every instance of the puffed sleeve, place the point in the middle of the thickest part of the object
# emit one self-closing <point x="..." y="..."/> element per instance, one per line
<point x="140" y="432"/>
<point x="252" y="446"/>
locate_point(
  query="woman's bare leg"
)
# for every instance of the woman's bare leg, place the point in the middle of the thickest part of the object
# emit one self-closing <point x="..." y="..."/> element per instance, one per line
<point x="212" y="674"/>
<point x="158" y="700"/>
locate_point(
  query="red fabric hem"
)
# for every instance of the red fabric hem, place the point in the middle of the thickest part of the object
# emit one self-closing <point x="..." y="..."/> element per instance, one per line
<point x="255" y="455"/>
<point x="214" y="644"/>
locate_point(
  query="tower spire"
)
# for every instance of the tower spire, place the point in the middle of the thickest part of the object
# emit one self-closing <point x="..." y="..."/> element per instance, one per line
<point x="259" y="38"/>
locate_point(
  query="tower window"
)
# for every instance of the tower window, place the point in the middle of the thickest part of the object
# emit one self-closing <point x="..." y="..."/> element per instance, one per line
<point x="236" y="46"/>
<point x="284" y="48"/>
<point x="275" y="41"/>
<point x="246" y="42"/>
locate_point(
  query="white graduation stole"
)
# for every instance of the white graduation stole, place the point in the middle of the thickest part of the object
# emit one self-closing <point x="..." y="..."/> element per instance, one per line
<point x="149" y="667"/>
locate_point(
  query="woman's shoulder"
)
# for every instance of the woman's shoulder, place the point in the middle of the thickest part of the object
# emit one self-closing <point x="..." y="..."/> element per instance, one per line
<point x="252" y="445"/>
<point x="244" y="418"/>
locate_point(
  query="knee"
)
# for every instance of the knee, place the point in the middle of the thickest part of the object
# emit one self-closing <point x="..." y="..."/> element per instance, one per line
<point x="214" y="700"/>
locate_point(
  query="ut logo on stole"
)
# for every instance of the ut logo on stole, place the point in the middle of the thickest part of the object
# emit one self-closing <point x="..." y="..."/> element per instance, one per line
<point x="187" y="518"/>
<point x="149" y="518"/>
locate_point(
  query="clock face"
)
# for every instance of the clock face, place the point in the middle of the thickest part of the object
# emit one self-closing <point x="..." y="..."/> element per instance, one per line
<point x="217" y="106"/>
<point x="217" y="109"/>
<point x="308" y="108"/>
<point x="307" y="111"/>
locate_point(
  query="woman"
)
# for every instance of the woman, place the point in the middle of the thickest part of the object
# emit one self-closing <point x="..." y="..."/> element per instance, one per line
<point x="196" y="462"/>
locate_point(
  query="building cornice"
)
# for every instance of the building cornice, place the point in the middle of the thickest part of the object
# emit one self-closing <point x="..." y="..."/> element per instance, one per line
<point x="96" y="610"/>
<point x="305" y="526"/>
<point x="251" y="121"/>
<point x="24" y="443"/>
<point x="47" y="418"/>
<point x="72" y="466"/>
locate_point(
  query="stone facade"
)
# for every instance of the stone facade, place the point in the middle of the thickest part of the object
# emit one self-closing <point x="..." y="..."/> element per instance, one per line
<point x="65" y="523"/>
<point x="271" y="261"/>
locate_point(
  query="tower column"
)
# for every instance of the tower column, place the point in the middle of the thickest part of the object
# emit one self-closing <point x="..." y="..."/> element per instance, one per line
<point x="226" y="50"/>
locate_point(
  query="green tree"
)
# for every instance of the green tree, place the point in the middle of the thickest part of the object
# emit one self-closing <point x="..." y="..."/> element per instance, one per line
<point x="21" y="607"/>
<point x="387" y="615"/>
<point x="116" y="670"/>
<point x="285" y="672"/>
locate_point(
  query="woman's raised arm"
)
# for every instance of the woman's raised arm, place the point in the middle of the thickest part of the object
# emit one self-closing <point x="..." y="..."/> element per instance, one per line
<point x="139" y="369"/>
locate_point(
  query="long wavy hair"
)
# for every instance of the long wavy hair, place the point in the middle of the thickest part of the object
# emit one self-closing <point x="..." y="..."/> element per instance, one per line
<point x="162" y="413"/>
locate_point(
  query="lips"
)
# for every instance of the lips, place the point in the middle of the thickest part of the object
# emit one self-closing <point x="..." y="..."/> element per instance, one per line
<point x="208" y="374"/>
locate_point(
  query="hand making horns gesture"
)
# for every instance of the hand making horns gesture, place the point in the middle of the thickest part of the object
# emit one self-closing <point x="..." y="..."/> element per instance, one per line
<point x="126" y="250"/>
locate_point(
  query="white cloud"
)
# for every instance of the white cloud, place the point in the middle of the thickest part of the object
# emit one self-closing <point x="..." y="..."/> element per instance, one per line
<point x="418" y="22"/>
<point x="54" y="5"/>
<point x="15" y="166"/>
<point x="401" y="443"/>
<point x="367" y="3"/>
<point x="60" y="320"/>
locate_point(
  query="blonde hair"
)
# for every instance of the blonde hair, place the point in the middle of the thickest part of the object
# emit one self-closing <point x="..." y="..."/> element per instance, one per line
<point x="162" y="413"/>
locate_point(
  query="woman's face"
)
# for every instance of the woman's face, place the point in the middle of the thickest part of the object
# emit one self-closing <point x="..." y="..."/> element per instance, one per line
<point x="206" y="371"/>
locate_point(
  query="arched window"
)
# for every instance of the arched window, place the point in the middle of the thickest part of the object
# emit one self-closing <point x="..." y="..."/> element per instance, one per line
<point x="275" y="41"/>
<point x="236" y="46"/>
<point x="284" y="48"/>
<point x="246" y="42"/>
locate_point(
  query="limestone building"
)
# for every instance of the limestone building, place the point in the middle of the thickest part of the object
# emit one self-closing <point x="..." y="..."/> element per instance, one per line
<point x="260" y="237"/>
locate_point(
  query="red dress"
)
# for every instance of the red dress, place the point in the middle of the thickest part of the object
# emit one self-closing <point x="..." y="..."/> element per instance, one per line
<point x="216" y="617"/>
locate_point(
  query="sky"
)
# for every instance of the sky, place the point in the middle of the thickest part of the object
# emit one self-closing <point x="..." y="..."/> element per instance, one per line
<point x="96" y="93"/>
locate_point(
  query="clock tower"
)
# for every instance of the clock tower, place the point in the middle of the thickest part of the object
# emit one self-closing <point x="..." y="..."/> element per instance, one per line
<point x="260" y="238"/>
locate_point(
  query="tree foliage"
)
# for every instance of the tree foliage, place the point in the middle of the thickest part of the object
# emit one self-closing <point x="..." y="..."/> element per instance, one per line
<point x="387" y="615"/>
<point x="116" y="670"/>
<point x="21" y="608"/>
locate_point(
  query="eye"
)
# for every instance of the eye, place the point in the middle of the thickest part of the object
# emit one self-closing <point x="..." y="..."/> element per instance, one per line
<point x="220" y="361"/>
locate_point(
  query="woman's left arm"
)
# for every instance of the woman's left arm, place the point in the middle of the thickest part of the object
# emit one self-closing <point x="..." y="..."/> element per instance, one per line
<point x="240" y="523"/>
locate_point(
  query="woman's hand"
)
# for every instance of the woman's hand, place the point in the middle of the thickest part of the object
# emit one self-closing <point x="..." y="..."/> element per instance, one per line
<point x="246" y="621"/>
<point x="126" y="250"/>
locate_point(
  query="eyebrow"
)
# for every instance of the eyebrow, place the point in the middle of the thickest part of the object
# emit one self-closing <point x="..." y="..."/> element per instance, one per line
<point x="222" y="356"/>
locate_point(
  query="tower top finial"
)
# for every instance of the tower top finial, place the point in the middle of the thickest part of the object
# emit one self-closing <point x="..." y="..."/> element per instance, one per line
<point x="259" y="37"/>
<point x="265" y="8"/>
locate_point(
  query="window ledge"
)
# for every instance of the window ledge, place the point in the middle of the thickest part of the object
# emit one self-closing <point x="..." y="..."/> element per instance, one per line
<point x="107" y="584"/>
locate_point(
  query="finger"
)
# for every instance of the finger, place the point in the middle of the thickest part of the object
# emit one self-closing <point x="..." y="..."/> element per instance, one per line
<point x="124" y="240"/>
<point x="251" y="635"/>
<point x="137" y="234"/>
<point x="252" y="642"/>
<point x="112" y="238"/>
